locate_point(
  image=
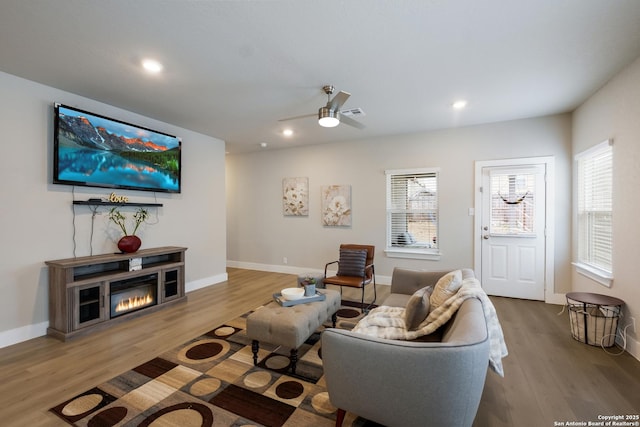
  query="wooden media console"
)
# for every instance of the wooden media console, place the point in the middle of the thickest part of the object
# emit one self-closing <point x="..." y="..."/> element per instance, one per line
<point x="94" y="292"/>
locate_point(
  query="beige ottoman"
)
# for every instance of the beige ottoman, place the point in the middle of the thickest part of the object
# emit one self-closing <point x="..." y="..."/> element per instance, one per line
<point x="290" y="326"/>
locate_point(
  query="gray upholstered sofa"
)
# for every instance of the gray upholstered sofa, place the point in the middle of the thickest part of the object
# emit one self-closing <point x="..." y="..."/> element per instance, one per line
<point x="411" y="383"/>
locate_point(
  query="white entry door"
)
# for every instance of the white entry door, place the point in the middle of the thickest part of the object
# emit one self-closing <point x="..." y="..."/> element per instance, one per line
<point x="513" y="231"/>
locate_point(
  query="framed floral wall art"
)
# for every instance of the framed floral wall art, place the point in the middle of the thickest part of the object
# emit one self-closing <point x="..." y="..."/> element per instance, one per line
<point x="295" y="196"/>
<point x="336" y="205"/>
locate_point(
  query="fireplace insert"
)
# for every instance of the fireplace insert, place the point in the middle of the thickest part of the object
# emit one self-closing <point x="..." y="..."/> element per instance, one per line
<point x="133" y="294"/>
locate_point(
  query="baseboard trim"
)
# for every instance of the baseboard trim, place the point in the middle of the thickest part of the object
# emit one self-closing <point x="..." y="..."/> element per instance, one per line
<point x="207" y="281"/>
<point x="631" y="346"/>
<point x="559" y="299"/>
<point x="286" y="269"/>
<point x="23" y="333"/>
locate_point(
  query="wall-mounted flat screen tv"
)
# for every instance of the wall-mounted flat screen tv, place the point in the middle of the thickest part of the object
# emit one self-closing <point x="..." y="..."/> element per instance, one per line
<point x="96" y="151"/>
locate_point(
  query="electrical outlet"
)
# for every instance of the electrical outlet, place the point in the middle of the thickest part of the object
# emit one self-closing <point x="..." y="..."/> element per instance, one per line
<point x="634" y="324"/>
<point x="285" y="260"/>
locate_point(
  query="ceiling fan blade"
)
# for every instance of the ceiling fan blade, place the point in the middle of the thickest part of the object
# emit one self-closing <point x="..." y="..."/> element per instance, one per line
<point x="349" y="121"/>
<point x="336" y="103"/>
<point x="304" y="116"/>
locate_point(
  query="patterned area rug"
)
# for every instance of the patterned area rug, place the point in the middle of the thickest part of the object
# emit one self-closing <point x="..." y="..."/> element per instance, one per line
<point x="211" y="381"/>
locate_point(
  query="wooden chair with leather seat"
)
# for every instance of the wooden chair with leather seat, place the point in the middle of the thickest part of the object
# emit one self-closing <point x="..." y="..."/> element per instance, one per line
<point x="355" y="270"/>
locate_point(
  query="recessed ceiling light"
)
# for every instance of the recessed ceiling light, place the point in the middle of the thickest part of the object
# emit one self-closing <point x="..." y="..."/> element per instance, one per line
<point x="287" y="132"/>
<point x="152" y="66"/>
<point x="459" y="105"/>
<point x="263" y="144"/>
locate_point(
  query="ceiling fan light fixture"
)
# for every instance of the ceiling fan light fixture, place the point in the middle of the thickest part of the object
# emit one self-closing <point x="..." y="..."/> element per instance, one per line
<point x="328" y="118"/>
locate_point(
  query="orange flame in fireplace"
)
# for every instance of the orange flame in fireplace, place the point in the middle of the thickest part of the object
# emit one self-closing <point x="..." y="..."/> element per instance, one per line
<point x="133" y="302"/>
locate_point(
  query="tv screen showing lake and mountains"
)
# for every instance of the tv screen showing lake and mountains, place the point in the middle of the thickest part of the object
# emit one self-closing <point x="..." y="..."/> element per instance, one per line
<point x="97" y="151"/>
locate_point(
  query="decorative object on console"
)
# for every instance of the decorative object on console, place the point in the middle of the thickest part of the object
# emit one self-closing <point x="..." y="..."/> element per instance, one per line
<point x="130" y="242"/>
<point x="135" y="264"/>
<point x="114" y="198"/>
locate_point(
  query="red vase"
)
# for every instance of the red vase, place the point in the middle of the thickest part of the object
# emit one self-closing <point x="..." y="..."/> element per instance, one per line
<point x="129" y="244"/>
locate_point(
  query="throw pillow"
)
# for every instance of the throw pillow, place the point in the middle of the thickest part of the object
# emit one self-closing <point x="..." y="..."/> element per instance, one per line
<point x="352" y="262"/>
<point x="446" y="287"/>
<point x="417" y="308"/>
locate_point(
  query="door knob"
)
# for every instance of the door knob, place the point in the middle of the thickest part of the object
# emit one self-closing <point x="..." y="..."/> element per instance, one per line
<point x="485" y="237"/>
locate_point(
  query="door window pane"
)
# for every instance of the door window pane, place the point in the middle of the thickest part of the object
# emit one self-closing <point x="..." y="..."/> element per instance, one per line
<point x="512" y="204"/>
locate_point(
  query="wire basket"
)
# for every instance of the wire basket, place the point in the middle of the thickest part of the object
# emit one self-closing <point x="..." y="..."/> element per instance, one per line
<point x="594" y="324"/>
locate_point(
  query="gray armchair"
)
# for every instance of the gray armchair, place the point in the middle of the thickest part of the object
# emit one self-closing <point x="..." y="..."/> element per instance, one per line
<point x="410" y="383"/>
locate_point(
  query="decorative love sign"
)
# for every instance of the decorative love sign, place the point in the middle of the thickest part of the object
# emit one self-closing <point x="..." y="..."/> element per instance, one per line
<point x="114" y="198"/>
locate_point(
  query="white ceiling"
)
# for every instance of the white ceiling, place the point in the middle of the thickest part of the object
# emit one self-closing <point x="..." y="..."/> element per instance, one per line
<point x="233" y="68"/>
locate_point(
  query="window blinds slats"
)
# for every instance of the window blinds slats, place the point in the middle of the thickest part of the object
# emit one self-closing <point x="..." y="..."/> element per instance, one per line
<point x="412" y="210"/>
<point x="595" y="206"/>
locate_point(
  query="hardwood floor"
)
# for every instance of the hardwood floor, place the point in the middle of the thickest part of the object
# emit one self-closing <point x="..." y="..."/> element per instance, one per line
<point x="548" y="375"/>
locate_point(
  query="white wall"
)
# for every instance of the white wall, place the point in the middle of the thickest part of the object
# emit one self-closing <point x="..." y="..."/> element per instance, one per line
<point x="36" y="217"/>
<point x="259" y="236"/>
<point x="614" y="112"/>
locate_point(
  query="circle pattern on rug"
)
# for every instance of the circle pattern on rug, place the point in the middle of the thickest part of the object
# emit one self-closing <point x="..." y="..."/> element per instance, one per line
<point x="289" y="389"/>
<point x="204" y="351"/>
<point x="277" y="362"/>
<point x="321" y="403"/>
<point x="186" y="414"/>
<point x="109" y="417"/>
<point x="224" y="331"/>
<point x="257" y="379"/>
<point x="81" y="405"/>
<point x="348" y="313"/>
<point x="205" y="386"/>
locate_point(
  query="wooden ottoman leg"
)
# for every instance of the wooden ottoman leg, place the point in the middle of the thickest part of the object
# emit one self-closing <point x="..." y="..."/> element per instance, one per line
<point x="255" y="346"/>
<point x="294" y="359"/>
<point x="334" y="318"/>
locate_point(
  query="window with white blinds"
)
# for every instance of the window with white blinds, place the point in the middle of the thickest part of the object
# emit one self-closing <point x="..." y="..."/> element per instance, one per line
<point x="594" y="177"/>
<point x="412" y="212"/>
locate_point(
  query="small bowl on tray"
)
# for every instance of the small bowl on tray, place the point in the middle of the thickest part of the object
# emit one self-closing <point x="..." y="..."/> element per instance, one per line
<point x="292" y="294"/>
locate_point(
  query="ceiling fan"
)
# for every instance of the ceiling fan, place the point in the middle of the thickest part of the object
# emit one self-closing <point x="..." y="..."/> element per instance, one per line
<point x="330" y="116"/>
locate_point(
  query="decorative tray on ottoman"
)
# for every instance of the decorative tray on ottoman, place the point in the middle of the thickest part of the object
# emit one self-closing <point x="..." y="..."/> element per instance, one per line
<point x="288" y="303"/>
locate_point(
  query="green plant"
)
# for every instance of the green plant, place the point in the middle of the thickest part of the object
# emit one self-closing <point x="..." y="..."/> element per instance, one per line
<point x="121" y="220"/>
<point x="309" y="280"/>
